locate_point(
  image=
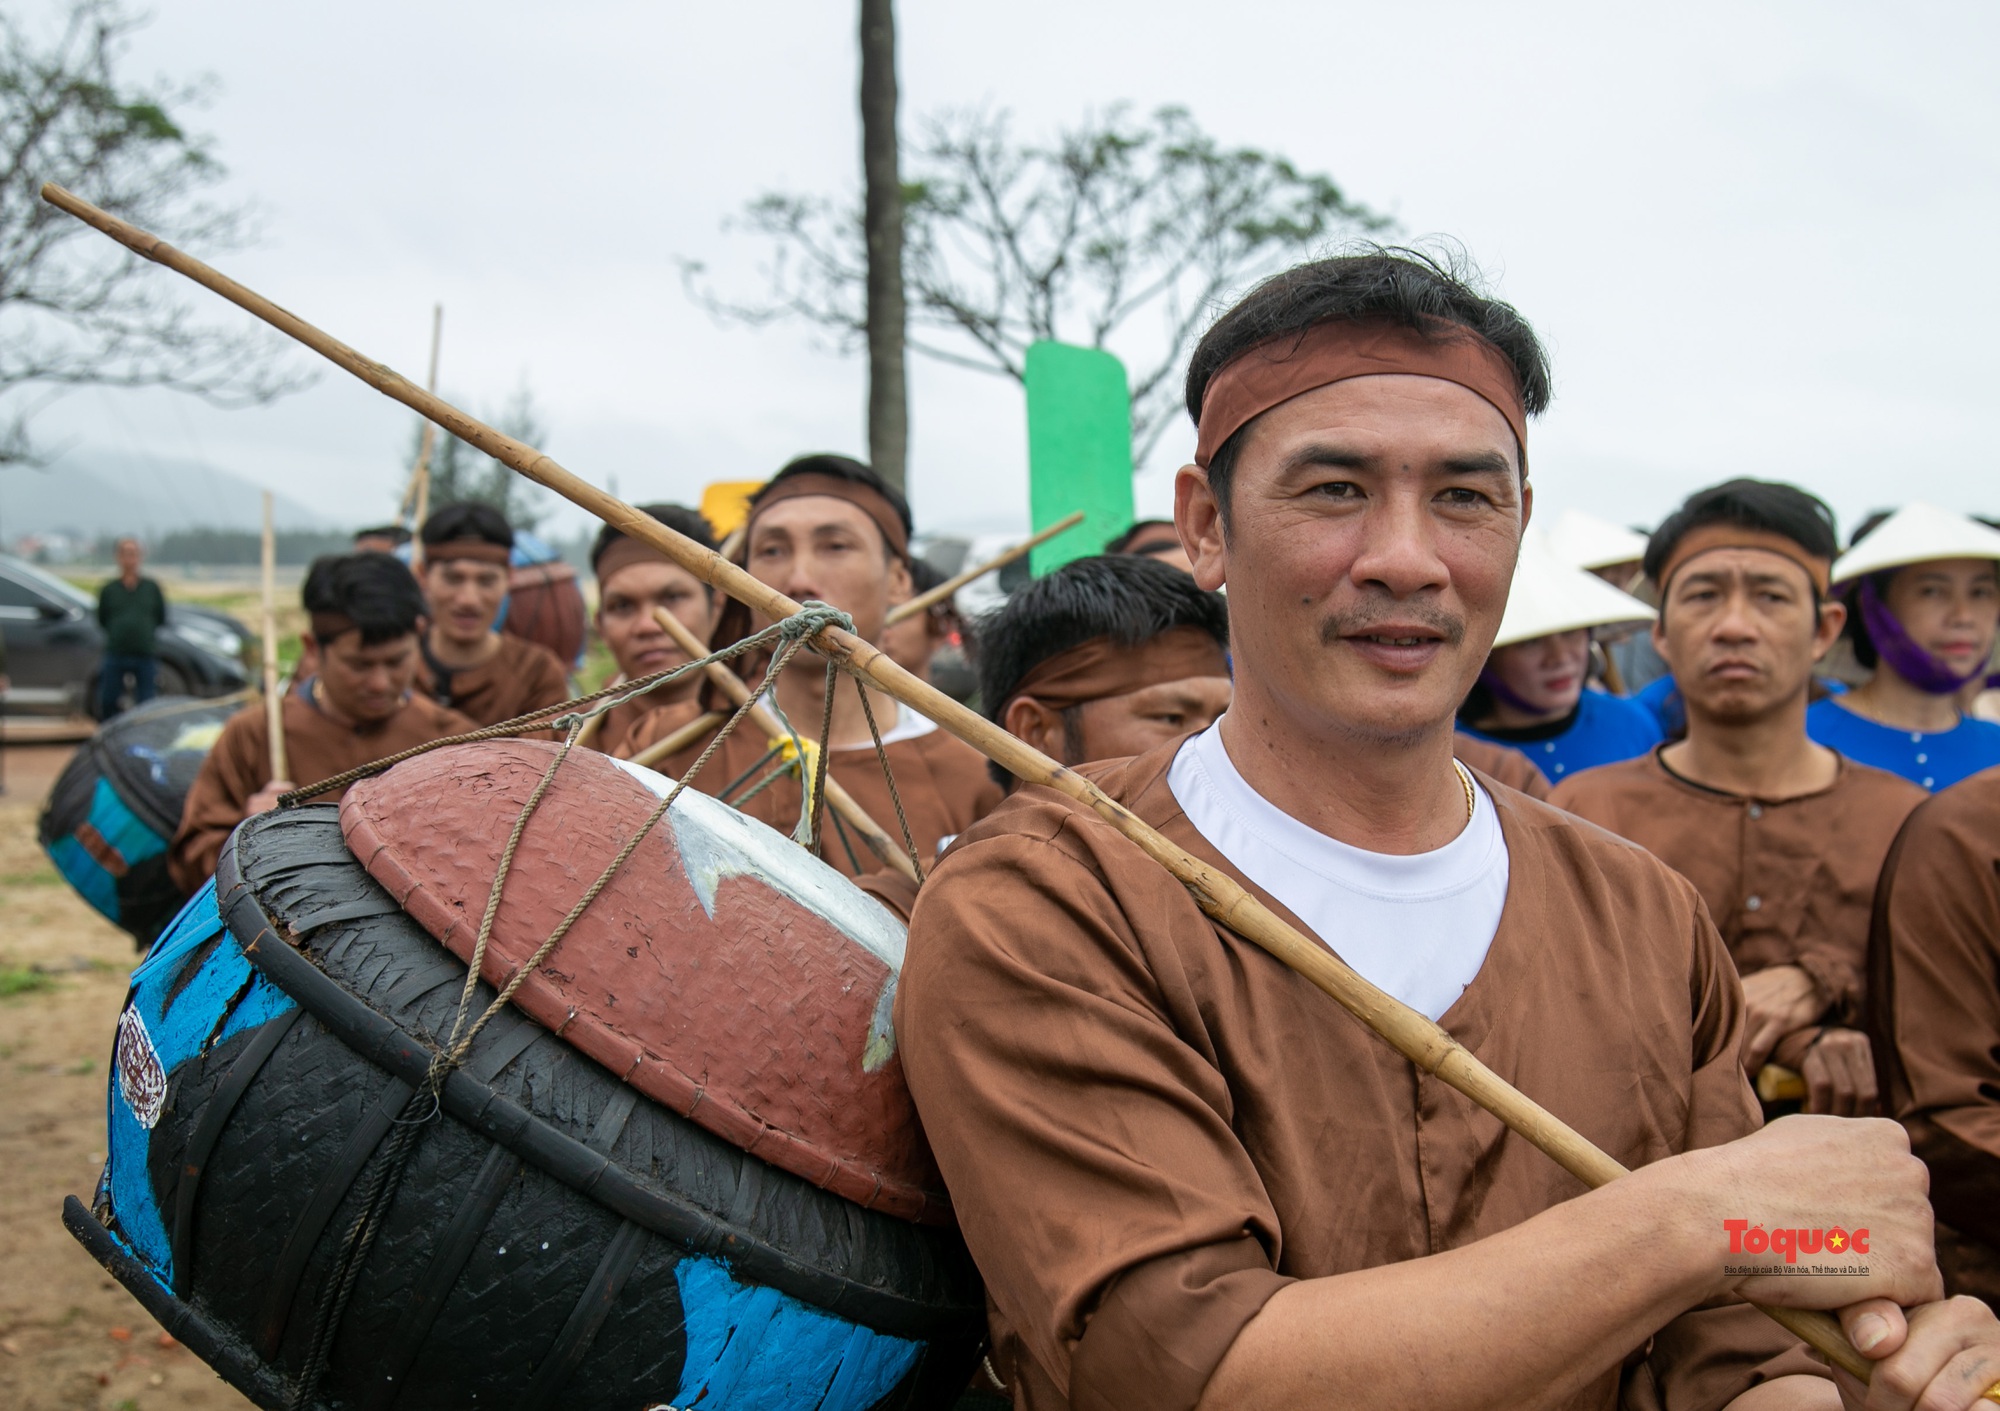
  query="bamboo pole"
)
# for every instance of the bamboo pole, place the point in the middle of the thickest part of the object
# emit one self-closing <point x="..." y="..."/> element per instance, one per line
<point x="679" y="740"/>
<point x="766" y="720"/>
<point x="1411" y="1034"/>
<point x="925" y="601"/>
<point x="416" y="495"/>
<point x="274" y="703"/>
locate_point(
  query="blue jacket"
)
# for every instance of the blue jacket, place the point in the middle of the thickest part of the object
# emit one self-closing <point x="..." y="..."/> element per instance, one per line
<point x="1603" y="729"/>
<point x="1935" y="761"/>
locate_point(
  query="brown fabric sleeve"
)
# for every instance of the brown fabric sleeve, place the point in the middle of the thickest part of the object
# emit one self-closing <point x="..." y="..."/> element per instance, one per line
<point x="1170" y="1322"/>
<point x="1708" y="1356"/>
<point x="1088" y="1144"/>
<point x="1934" y="1006"/>
<point x="237" y="767"/>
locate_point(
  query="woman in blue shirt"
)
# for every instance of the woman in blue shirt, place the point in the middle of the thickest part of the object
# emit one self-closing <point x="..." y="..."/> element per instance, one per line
<point x="1923" y="603"/>
<point x="1533" y="694"/>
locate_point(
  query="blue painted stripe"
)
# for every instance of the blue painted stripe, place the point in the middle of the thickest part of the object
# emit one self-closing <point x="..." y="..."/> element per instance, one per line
<point x="178" y="1029"/>
<point x="127" y="835"/>
<point x="755" y="1349"/>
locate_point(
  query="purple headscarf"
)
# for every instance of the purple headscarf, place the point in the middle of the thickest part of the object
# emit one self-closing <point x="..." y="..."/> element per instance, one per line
<point x="1901" y="653"/>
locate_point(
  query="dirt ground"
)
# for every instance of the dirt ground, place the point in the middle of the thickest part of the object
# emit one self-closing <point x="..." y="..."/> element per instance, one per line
<point x="69" y="1336"/>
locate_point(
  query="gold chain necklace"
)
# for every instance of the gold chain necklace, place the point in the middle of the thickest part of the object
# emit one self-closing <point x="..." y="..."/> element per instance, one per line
<point x="1465" y="780"/>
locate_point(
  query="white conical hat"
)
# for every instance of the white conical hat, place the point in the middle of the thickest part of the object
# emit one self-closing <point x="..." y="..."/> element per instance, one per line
<point x="1551" y="596"/>
<point x="1917" y="533"/>
<point x="1589" y="542"/>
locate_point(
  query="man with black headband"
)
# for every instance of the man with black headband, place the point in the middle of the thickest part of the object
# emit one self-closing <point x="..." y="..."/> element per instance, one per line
<point x="481" y="673"/>
<point x="358" y="706"/>
<point x="1783" y="837"/>
<point x="828" y="528"/>
<point x="1189" y="1178"/>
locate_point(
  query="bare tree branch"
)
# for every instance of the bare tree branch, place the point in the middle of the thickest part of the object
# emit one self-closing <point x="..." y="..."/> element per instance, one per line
<point x="1122" y="232"/>
<point x="74" y="310"/>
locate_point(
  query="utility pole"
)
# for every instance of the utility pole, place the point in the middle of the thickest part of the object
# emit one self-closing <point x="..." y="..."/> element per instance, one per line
<point x="882" y="225"/>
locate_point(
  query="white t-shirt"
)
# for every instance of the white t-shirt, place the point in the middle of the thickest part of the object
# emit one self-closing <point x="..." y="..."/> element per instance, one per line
<point x="908" y="726"/>
<point x="1417" y="926"/>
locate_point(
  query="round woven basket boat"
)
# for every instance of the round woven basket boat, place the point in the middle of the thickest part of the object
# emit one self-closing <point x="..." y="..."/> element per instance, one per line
<point x="558" y="1235"/>
<point x="115" y="806"/>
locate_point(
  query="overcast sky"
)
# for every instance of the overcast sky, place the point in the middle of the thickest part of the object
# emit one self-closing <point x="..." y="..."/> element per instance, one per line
<point x="1754" y="235"/>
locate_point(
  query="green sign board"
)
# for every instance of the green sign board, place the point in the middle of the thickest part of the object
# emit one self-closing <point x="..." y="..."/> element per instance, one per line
<point x="1079" y="449"/>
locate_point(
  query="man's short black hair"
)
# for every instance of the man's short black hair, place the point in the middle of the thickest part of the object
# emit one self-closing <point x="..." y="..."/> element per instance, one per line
<point x="854" y="472"/>
<point x="1126" y="597"/>
<point x="394" y="533"/>
<point x="1411" y="288"/>
<point x="467" y="519"/>
<point x="692" y="524"/>
<point x="1768" y="505"/>
<point x="1122" y="543"/>
<point x="376" y="592"/>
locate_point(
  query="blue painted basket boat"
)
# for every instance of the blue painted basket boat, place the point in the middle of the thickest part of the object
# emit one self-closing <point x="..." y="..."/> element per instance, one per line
<point x="556" y="1238"/>
<point x="114" y="808"/>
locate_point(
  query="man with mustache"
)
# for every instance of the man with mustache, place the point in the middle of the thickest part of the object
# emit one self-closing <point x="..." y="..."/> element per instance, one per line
<point x="1191" y="1179"/>
<point x="1783" y="837"/>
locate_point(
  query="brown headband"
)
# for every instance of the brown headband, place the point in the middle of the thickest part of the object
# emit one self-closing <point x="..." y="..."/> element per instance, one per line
<point x="1708" y="538"/>
<point x="477" y="550"/>
<point x="871" y="502"/>
<point x="1280" y="369"/>
<point x="1100" y="668"/>
<point x="622" y="553"/>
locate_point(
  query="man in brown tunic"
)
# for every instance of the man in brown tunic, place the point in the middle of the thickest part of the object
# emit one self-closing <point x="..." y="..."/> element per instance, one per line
<point x="1934" y="1014"/>
<point x="486" y="675"/>
<point x="365" y="612"/>
<point x="828" y="528"/>
<point x="634" y="582"/>
<point x="1189" y="1177"/>
<point x="1782" y="837"/>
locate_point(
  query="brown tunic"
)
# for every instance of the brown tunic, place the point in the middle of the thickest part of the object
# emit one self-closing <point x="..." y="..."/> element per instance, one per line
<point x="943" y="783"/>
<point x="1501" y="763"/>
<point x="1787" y="881"/>
<point x="316" y="748"/>
<point x="1934" y="1016"/>
<point x="520" y="677"/>
<point x="1150" y="1125"/>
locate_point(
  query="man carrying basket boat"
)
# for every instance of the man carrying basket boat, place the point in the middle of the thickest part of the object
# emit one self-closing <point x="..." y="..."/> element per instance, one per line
<point x="1188" y="1179"/>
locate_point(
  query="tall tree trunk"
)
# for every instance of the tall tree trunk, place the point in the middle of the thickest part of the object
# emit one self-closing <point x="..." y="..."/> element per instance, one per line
<point x="882" y="223"/>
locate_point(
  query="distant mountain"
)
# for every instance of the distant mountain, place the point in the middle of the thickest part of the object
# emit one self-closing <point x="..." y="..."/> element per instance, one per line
<point x="89" y="492"/>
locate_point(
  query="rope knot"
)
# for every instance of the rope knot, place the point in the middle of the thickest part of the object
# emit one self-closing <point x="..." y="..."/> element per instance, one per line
<point x="812" y="618"/>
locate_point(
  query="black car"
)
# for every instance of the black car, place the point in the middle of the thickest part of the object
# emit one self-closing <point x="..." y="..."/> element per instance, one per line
<point x="54" y="646"/>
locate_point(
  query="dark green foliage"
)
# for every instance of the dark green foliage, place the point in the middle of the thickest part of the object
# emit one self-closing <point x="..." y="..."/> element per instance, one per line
<point x="1124" y="233"/>
<point x="75" y="309"/>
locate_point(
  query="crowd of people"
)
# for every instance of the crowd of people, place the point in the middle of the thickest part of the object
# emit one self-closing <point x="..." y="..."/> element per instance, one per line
<point x="1621" y="826"/>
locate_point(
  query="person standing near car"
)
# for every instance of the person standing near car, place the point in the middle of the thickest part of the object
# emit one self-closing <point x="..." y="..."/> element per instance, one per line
<point x="131" y="609"/>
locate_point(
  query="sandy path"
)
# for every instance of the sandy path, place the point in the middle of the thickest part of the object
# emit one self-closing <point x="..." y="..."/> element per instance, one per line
<point x="69" y="1336"/>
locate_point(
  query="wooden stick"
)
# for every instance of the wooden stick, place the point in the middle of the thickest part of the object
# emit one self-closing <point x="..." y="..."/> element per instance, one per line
<point x="1219" y="895"/>
<point x="766" y="720"/>
<point x="925" y="601"/>
<point x="274" y="704"/>
<point x="679" y="740"/>
<point x="417" y="493"/>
